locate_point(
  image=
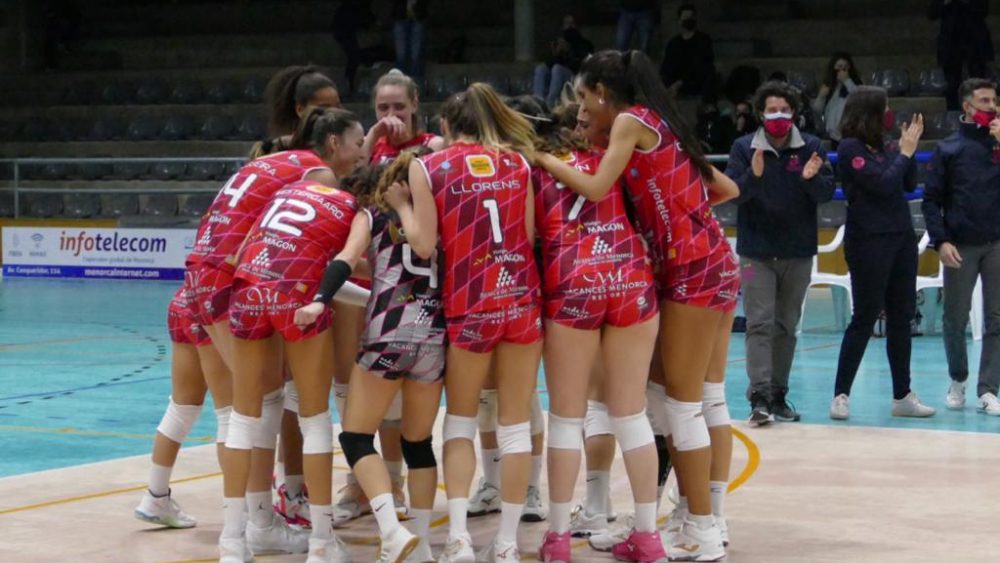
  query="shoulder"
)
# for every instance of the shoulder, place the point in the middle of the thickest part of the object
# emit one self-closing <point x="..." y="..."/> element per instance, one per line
<point x="743" y="143"/>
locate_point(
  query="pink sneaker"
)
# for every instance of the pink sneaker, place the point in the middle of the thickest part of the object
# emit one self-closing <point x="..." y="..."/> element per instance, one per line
<point x="555" y="548"/>
<point x="641" y="547"/>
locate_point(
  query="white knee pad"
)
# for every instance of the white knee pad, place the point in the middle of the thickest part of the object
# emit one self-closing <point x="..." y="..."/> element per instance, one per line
<point x="317" y="433"/>
<point x="687" y="425"/>
<point x="632" y="431"/>
<point x="291" y="397"/>
<point x="656" y="408"/>
<point x="340" y="398"/>
<point x="272" y="408"/>
<point x="713" y="404"/>
<point x="459" y="428"/>
<point x="395" y="412"/>
<point x="537" y="415"/>
<point x="222" y="424"/>
<point x="487" y="416"/>
<point x="565" y="433"/>
<point x="177" y="420"/>
<point x="242" y="431"/>
<point x="352" y="294"/>
<point x="514" y="439"/>
<point x="597" y="422"/>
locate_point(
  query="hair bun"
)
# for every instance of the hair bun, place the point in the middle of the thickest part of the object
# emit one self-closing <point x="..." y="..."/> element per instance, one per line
<point x="395" y="72"/>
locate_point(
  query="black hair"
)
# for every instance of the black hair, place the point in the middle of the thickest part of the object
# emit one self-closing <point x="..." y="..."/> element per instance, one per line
<point x="318" y="124"/>
<point x="830" y="78"/>
<point x="292" y="86"/>
<point x="970" y="85"/>
<point x="776" y="89"/>
<point x="686" y="7"/>
<point x="862" y="117"/>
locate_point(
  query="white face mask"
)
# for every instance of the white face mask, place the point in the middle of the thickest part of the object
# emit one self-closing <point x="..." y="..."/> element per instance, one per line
<point x="770" y="116"/>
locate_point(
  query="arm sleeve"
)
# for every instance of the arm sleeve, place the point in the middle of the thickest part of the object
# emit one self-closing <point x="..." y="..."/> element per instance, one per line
<point x="337" y="272"/>
<point x="739" y="169"/>
<point x="934" y="198"/>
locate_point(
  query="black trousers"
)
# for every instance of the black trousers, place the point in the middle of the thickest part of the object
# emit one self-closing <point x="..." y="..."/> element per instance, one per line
<point x="883" y="275"/>
<point x="953" y="74"/>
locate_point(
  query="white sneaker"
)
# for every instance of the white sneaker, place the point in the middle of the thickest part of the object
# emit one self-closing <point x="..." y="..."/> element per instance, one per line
<point x="911" y="406"/>
<point x="840" y="408"/>
<point x="277" y="537"/>
<point x="458" y="550"/>
<point x="327" y="551"/>
<point x="989" y="404"/>
<point x="164" y="511"/>
<point x="397" y="547"/>
<point x="723" y="530"/>
<point x="955" y="399"/>
<point x="534" y="510"/>
<point x="485" y="501"/>
<point x="422" y="554"/>
<point x="352" y="504"/>
<point x="675" y="521"/>
<point x="604" y="541"/>
<point x="694" y="544"/>
<point x="500" y="552"/>
<point x="583" y="524"/>
<point x="234" y="550"/>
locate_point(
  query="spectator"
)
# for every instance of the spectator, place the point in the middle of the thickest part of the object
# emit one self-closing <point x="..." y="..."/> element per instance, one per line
<point x="350" y="17"/>
<point x="961" y="206"/>
<point x="716" y="131"/>
<point x="804" y="120"/>
<point x="408" y="33"/>
<point x="636" y="17"/>
<point x="568" y="51"/>
<point x="743" y="119"/>
<point x="782" y="178"/>
<point x="742" y="83"/>
<point x="879" y="244"/>
<point x="689" y="61"/>
<point x="964" y="40"/>
<point x="840" y="80"/>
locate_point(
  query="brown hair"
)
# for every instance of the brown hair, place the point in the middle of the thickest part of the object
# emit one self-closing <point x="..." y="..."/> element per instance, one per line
<point x="480" y="113"/>
<point x="292" y="86"/>
<point x="862" y="117"/>
<point x="396" y="77"/>
<point x="396" y="171"/>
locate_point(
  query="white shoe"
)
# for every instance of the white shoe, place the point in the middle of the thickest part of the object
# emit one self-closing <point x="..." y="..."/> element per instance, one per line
<point x="422" y="554"/>
<point x="583" y="524"/>
<point x="723" y="530"/>
<point x="989" y="404"/>
<point x="694" y="544"/>
<point x="675" y="521"/>
<point x="277" y="537"/>
<point x="840" y="408"/>
<point x="328" y="551"/>
<point x="397" y="547"/>
<point x="604" y="541"/>
<point x="234" y="550"/>
<point x="955" y="399"/>
<point x="458" y="550"/>
<point x="534" y="510"/>
<point x="352" y="504"/>
<point x="911" y="406"/>
<point x="500" y="552"/>
<point x="164" y="511"/>
<point x="485" y="501"/>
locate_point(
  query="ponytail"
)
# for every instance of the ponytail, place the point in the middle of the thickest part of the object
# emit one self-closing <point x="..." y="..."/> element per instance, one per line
<point x="480" y="113"/>
<point x="292" y="86"/>
<point x="317" y="125"/>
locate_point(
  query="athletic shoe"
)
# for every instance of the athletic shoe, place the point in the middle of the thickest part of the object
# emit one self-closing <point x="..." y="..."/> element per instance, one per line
<point x="295" y="511"/>
<point x="694" y="544"/>
<point x="840" y="407"/>
<point x="760" y="415"/>
<point x="583" y="524"/>
<point x="534" y="510"/>
<point x="644" y="547"/>
<point x="234" y="550"/>
<point x="352" y="504"/>
<point x="277" y="537"/>
<point x="989" y="404"/>
<point x="422" y="554"/>
<point x="397" y="547"/>
<point x="399" y="499"/>
<point x="723" y="530"/>
<point x="674" y="495"/>
<point x="500" y="552"/>
<point x="555" y="548"/>
<point x="780" y="409"/>
<point x="458" y="550"/>
<point x="328" y="551"/>
<point x="675" y="521"/>
<point x="485" y="501"/>
<point x="911" y="406"/>
<point x="164" y="511"/>
<point x="607" y="540"/>
<point x="955" y="399"/>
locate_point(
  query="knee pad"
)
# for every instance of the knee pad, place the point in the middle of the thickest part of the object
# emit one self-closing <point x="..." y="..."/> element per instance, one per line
<point x="687" y="424"/>
<point x="597" y="422"/>
<point x="487" y="416"/>
<point x="395" y="412"/>
<point x="291" y="397"/>
<point x="459" y="428"/>
<point x="242" y="431"/>
<point x="656" y="408"/>
<point x="419" y="455"/>
<point x="632" y="431"/>
<point x="222" y="424"/>
<point x="357" y="446"/>
<point x="272" y="408"/>
<point x="177" y="420"/>
<point x="662" y="460"/>
<point x="565" y="433"/>
<point x="537" y="415"/>
<point x="713" y="404"/>
<point x="340" y="398"/>
<point x="514" y="439"/>
<point x="317" y="433"/>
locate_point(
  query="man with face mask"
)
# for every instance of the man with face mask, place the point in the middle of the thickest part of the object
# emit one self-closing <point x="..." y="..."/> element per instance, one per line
<point x="689" y="59"/>
<point x="782" y="177"/>
<point x="962" y="210"/>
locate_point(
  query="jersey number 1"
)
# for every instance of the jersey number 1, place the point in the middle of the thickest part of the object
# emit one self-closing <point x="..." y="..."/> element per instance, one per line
<point x="494" y="209"/>
<point x="574" y="211"/>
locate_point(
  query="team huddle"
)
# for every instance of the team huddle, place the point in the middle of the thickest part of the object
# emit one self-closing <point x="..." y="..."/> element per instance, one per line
<point x="393" y="265"/>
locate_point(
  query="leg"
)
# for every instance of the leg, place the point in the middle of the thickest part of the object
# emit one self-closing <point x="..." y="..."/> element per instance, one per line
<point x="989" y="362"/>
<point x="400" y="35"/>
<point x="416" y="48"/>
<point x="599" y="445"/>
<point x="645" y="29"/>
<point x="420" y="409"/>
<point x="540" y="84"/>
<point x="623" y="37"/>
<point x="760" y="283"/>
<point x="717" y="419"/>
<point x="487" y="496"/>
<point x="560" y="76"/>
<point x="953" y="75"/>
<point x="220" y="384"/>
<point x="900" y="306"/>
<point x="791" y="292"/>
<point x="958" y="287"/>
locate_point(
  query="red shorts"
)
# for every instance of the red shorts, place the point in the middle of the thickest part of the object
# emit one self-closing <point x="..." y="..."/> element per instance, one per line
<point x="258" y="310"/>
<point x="611" y="300"/>
<point x="481" y="332"/>
<point x="183" y="328"/>
<point x="211" y="289"/>
<point x="712" y="282"/>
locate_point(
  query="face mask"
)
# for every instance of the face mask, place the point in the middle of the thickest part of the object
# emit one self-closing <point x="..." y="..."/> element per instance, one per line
<point x="778" y="124"/>
<point x="984" y="118"/>
<point x="889" y="120"/>
<point x="690" y="24"/>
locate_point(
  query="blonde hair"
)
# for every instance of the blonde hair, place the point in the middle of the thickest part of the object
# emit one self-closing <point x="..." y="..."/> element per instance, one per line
<point x="396" y="171"/>
<point x="480" y="113"/>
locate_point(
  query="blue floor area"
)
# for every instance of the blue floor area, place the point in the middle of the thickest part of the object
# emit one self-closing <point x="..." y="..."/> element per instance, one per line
<point x="85" y="375"/>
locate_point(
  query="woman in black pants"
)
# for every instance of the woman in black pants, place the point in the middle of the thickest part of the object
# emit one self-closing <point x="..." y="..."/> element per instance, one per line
<point x="879" y="243"/>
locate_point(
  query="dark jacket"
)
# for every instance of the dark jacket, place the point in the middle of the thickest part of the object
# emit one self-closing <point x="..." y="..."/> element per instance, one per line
<point x="875" y="183"/>
<point x="962" y="193"/>
<point x="776" y="217"/>
<point x="691" y="61"/>
<point x="399" y="10"/>
<point x="571" y="55"/>
<point x="963" y="35"/>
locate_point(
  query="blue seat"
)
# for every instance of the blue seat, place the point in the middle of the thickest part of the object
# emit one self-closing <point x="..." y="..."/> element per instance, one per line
<point x="944" y="124"/>
<point x="178" y="128"/>
<point x="81" y="94"/>
<point x="57" y="171"/>
<point x="218" y="127"/>
<point x="9" y="131"/>
<point x="6" y="203"/>
<point x="94" y="170"/>
<point x="37" y="129"/>
<point x="804" y="81"/>
<point x="160" y="205"/>
<point x="187" y="93"/>
<point x="895" y="81"/>
<point x="144" y="128"/>
<point x="81" y="206"/>
<point x="196" y="205"/>
<point x="932" y="83"/>
<point x="118" y="93"/>
<point x="440" y="87"/>
<point x="253" y="90"/>
<point x="168" y="170"/>
<point x="222" y="92"/>
<point x="231" y="168"/>
<point x="522" y="85"/>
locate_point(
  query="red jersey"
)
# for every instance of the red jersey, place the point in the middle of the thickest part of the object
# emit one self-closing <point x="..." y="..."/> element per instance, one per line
<point x="581" y="237"/>
<point x="481" y="205"/>
<point x="304" y="226"/>
<point x="242" y="200"/>
<point x="670" y="198"/>
<point x="385" y="152"/>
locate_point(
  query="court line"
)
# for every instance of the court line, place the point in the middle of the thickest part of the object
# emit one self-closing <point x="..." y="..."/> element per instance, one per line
<point x="85" y="388"/>
<point x="5" y="346"/>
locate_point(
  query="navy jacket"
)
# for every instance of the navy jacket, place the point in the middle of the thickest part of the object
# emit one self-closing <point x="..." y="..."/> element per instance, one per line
<point x="776" y="217"/>
<point x="962" y="193"/>
<point x="875" y="183"/>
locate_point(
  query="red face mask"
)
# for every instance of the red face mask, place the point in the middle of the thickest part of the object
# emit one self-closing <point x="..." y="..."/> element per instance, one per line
<point x="778" y="125"/>
<point x="889" y="120"/>
<point x="984" y="118"/>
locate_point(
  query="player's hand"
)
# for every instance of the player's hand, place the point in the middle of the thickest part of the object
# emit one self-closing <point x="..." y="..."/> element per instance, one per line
<point x="307" y="315"/>
<point x="397" y="195"/>
<point x="757" y="163"/>
<point x="911" y="135"/>
<point x="949" y="255"/>
<point x="390" y="126"/>
<point x="812" y="167"/>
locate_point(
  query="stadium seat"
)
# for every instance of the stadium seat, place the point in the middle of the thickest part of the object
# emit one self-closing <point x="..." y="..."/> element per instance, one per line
<point x="117" y="94"/>
<point x="178" y="128"/>
<point x="363" y="86"/>
<point x="895" y="81"/>
<point x="221" y="92"/>
<point x="117" y="205"/>
<point x="152" y="91"/>
<point x="440" y="87"/>
<point x="432" y="124"/>
<point x="251" y="128"/>
<point x="37" y="129"/>
<point x="196" y="205"/>
<point x="832" y="214"/>
<point x="187" y="93"/>
<point x="172" y="170"/>
<point x="217" y="128"/>
<point x="726" y="214"/>
<point x="106" y="130"/>
<point x="81" y="94"/>
<point x="57" y="171"/>
<point x="129" y="170"/>
<point x="943" y="124"/>
<point x="804" y="81"/>
<point x="144" y="128"/>
<point x="160" y="205"/>
<point x="9" y="131"/>
<point x="81" y="206"/>
<point x="522" y="84"/>
<point x="931" y="83"/>
<point x="253" y="90"/>
<point x="94" y="170"/>
<point x="232" y="168"/>
<point x="44" y="205"/>
<point x="6" y="203"/>
<point x="205" y="171"/>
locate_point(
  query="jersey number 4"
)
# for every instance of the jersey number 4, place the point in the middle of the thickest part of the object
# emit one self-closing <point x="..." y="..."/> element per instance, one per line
<point x="281" y="220"/>
<point x="235" y="194"/>
<point x="409" y="266"/>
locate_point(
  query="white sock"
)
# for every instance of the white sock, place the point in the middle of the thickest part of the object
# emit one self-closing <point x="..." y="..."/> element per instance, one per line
<point x="717" y="491"/>
<point x="279" y="473"/>
<point x="385" y="513"/>
<point x="293" y="485"/>
<point x="458" y="512"/>
<point x="559" y="516"/>
<point x="659" y="495"/>
<point x="682" y="503"/>
<point x="395" y="469"/>
<point x="510" y="517"/>
<point x="233" y="517"/>
<point x="597" y="490"/>
<point x="159" y="480"/>
<point x="259" y="507"/>
<point x="351" y="479"/>
<point x="702" y="522"/>
<point x="322" y="521"/>
<point x="536" y="470"/>
<point x="421" y="525"/>
<point x="645" y="516"/>
<point x="491" y="466"/>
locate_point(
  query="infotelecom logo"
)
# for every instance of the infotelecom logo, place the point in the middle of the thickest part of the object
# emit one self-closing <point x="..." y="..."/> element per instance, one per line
<point x="83" y="242"/>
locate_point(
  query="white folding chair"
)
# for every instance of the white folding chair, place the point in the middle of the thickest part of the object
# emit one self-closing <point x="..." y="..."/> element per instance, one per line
<point x="829" y="278"/>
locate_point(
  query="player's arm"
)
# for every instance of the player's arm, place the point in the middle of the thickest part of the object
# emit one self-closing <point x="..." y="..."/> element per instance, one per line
<point x="337" y="271"/>
<point x="417" y="211"/>
<point x="721" y="188"/>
